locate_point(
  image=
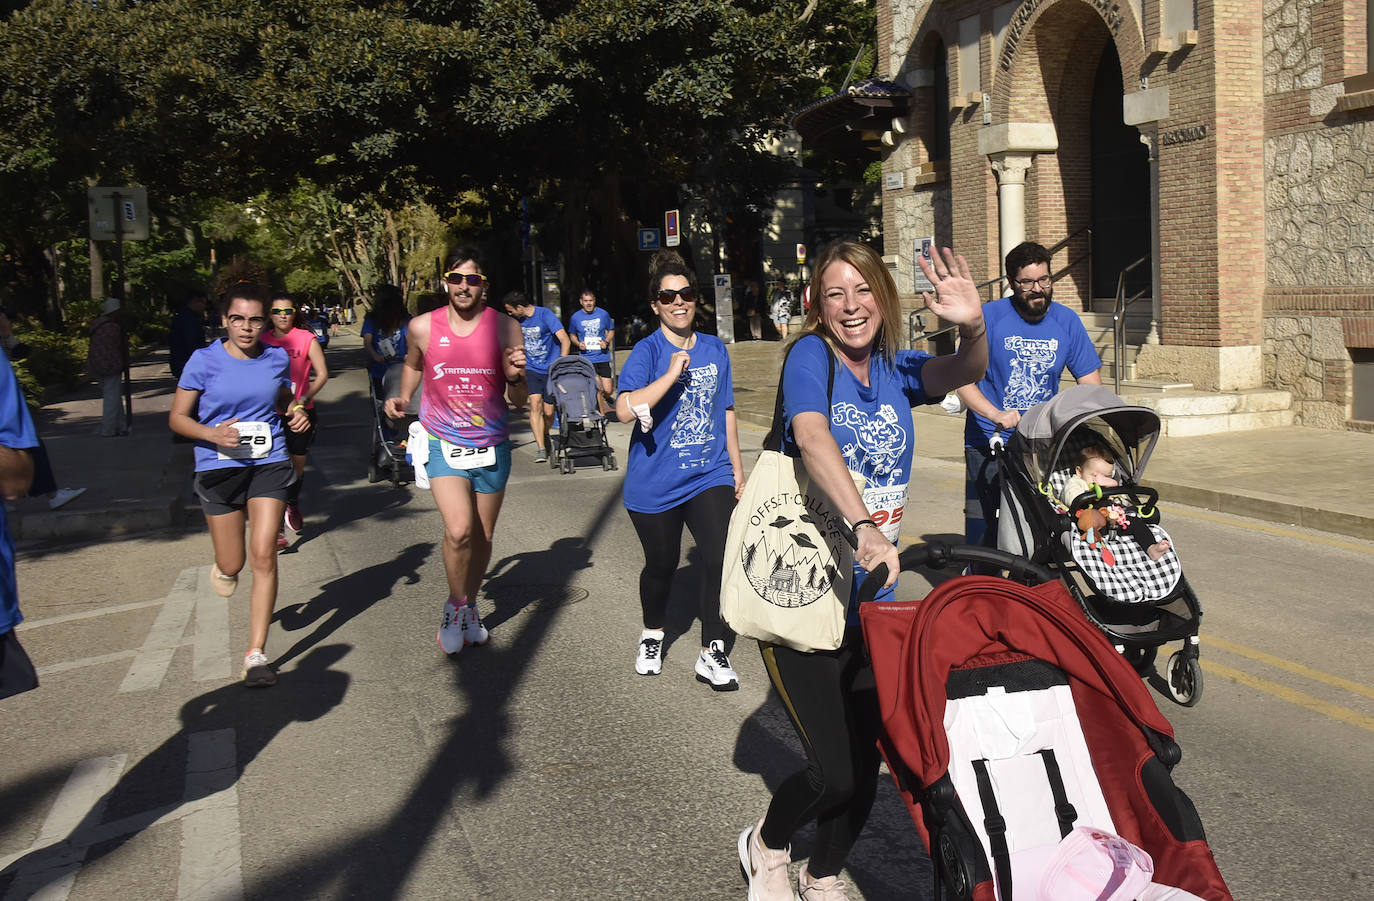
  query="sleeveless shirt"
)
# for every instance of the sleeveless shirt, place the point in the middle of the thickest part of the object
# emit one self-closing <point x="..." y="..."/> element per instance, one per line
<point x="464" y="383"/>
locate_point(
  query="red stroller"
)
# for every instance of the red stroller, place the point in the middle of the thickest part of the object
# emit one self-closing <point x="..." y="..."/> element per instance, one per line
<point x="1011" y="722"/>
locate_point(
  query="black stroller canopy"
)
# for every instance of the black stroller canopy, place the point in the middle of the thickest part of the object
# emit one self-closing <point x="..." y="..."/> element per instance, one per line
<point x="1046" y="428"/>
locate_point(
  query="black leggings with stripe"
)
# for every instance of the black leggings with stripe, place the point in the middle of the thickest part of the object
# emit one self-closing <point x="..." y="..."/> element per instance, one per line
<point x="832" y="701"/>
<point x="707" y="517"/>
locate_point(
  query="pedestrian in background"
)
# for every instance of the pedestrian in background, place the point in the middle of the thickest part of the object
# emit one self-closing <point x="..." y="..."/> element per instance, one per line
<point x="384" y="333"/>
<point x="684" y="464"/>
<point x="17" y="440"/>
<point x="241" y="389"/>
<point x="592" y="332"/>
<point x="105" y="362"/>
<point x="862" y="424"/>
<point x="187" y="334"/>
<point x="782" y="309"/>
<point x="749" y="302"/>
<point x="308" y="373"/>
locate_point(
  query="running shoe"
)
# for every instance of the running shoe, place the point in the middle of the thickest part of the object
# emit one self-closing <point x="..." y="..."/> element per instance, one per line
<point x="713" y="668"/>
<point x="281" y="539"/>
<point x="541" y="455"/>
<point x="473" y="630"/>
<point x="826" y="888"/>
<point x="764" y="868"/>
<point x="650" y="659"/>
<point x="64" y="495"/>
<point x="451" y="628"/>
<point x="257" y="672"/>
<point x="294" y="521"/>
<point x="224" y="585"/>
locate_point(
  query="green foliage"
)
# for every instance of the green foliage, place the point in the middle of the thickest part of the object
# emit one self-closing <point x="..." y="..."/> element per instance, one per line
<point x="52" y="358"/>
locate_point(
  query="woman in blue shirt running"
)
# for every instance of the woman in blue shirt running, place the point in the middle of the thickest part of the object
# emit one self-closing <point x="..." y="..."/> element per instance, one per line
<point x="684" y="463"/>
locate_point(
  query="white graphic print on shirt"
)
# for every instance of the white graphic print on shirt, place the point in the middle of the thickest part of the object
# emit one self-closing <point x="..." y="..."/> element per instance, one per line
<point x="878" y="445"/>
<point x="691" y="435"/>
<point x="1032" y="359"/>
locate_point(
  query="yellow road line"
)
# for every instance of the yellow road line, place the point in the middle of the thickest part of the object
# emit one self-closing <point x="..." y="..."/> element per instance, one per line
<point x="1238" y="521"/>
<point x="1300" y="669"/>
<point x="1291" y="695"/>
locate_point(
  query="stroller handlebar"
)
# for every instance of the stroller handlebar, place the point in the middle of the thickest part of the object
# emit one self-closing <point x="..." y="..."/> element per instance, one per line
<point x="939" y="554"/>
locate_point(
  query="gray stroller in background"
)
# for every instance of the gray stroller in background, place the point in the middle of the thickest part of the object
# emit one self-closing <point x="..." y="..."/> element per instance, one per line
<point x="579" y="429"/>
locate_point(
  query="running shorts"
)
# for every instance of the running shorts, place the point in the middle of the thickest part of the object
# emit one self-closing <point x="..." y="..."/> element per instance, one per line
<point x="297" y="443"/>
<point x="230" y="489"/>
<point x="486" y="480"/>
<point x="16" y="670"/>
<point x="603" y="369"/>
<point x="538" y="382"/>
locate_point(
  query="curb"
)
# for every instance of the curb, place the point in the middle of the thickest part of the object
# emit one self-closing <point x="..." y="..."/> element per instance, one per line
<point x="1268" y="509"/>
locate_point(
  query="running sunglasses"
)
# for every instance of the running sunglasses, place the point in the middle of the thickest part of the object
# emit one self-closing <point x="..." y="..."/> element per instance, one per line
<point x="670" y="296"/>
<point x="282" y="310"/>
<point x="474" y="279"/>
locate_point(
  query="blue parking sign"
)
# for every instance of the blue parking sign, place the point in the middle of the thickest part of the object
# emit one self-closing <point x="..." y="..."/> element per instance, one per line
<point x="649" y="239"/>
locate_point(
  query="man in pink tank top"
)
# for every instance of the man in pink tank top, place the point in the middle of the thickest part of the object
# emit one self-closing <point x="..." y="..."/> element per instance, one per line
<point x="468" y="357"/>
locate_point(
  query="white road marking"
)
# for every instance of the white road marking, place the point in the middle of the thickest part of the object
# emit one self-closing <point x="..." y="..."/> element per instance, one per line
<point x="150" y="665"/>
<point x="86" y="614"/>
<point x="210" y="659"/>
<point x="211" y="857"/>
<point x="82" y="799"/>
<point x="55" y="668"/>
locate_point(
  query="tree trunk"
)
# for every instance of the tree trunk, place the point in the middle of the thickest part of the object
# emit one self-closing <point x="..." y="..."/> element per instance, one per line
<point x="97" y="272"/>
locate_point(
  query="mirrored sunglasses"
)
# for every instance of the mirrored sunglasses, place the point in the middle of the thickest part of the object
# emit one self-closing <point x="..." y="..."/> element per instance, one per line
<point x="473" y="279"/>
<point x="282" y="311"/>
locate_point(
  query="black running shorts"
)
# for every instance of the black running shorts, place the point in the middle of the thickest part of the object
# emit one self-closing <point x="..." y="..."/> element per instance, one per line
<point x="16" y="670"/>
<point x="229" y="490"/>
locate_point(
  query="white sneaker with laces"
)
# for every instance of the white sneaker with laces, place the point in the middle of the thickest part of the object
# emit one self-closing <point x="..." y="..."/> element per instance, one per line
<point x="257" y="672"/>
<point x="650" y="659"/>
<point x="473" y="630"/>
<point x="765" y="869"/>
<point x="451" y="628"/>
<point x="826" y="888"/>
<point x="64" y="495"/>
<point x="713" y="668"/>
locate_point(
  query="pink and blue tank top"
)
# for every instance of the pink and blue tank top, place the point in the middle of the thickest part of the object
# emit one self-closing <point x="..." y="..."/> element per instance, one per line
<point x="462" y="399"/>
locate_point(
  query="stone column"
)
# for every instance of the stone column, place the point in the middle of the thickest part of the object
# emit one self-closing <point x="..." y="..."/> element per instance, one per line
<point x="1011" y="198"/>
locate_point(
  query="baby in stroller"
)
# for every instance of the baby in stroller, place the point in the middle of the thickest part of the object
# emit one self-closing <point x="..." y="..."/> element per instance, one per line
<point x="1090" y="476"/>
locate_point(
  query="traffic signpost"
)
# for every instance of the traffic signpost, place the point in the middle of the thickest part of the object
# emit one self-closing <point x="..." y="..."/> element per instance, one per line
<point x="119" y="215"/>
<point x="671" y="236"/>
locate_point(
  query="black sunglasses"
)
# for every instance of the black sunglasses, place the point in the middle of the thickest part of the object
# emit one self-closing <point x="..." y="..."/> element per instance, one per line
<point x="672" y="295"/>
<point x="474" y="279"/>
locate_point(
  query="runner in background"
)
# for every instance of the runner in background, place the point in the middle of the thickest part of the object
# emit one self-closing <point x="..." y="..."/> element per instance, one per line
<point x="592" y="331"/>
<point x="472" y="356"/>
<point x="545" y="341"/>
<point x="308" y="375"/>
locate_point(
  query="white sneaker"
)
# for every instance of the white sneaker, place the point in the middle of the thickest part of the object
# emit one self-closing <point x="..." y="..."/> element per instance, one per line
<point x="257" y="672"/>
<point x="826" y="888"/>
<point x="713" y="668"/>
<point x="63" y="495"/>
<point x="650" y="659"/>
<point x="451" y="628"/>
<point x="473" y="630"/>
<point x="765" y="869"/>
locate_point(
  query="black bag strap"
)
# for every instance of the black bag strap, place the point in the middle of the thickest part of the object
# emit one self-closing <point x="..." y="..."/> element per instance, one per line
<point x="775" y="432"/>
<point x="996" y="828"/>
<point x="1063" y="810"/>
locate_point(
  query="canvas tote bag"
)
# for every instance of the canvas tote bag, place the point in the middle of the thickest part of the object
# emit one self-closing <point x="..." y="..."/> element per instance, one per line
<point x="789" y="556"/>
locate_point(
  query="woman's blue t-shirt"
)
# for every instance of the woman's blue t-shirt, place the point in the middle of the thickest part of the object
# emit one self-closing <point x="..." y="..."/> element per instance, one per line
<point x="387" y="345"/>
<point x="686" y="451"/>
<point x="245" y="390"/>
<point x="871" y="423"/>
<point x="541" y="345"/>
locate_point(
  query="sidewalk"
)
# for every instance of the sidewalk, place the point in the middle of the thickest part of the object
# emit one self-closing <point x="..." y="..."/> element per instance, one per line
<point x="1313" y="478"/>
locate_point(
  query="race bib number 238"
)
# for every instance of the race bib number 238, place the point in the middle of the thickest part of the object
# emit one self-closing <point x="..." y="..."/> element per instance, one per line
<point x="458" y="457"/>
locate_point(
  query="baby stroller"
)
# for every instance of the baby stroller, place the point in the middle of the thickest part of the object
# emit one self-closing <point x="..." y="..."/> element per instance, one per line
<point x="579" y="428"/>
<point x="1139" y="602"/>
<point x="1030" y="755"/>
<point x="387" y="459"/>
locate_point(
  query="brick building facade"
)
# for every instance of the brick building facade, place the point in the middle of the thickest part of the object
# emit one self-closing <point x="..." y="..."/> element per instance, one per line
<point x="1228" y="145"/>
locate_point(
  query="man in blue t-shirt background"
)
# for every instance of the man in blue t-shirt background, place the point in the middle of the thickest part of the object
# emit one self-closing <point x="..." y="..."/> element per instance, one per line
<point x="591" y="330"/>
<point x="545" y="341"/>
<point x="1031" y="341"/>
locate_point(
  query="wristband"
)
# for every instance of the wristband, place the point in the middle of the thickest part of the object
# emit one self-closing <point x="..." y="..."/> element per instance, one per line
<point x="864" y="522"/>
<point x="298" y="406"/>
<point x="974" y="337"/>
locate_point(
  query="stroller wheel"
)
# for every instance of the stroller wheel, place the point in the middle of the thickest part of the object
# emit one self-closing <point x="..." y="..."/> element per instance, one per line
<point x="1184" y="677"/>
<point x="1143" y="659"/>
<point x="614" y="467"/>
<point x="373" y="474"/>
<point x="956" y="882"/>
<point x="605" y="464"/>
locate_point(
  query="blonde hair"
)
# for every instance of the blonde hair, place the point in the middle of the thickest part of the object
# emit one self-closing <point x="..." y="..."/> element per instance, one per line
<point x="874" y="272"/>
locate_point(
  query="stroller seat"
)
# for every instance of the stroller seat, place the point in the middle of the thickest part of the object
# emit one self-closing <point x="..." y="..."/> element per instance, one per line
<point x="579" y="428"/>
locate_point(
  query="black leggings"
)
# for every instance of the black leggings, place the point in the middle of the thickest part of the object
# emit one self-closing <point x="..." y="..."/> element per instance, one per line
<point x="707" y="515"/>
<point x="832" y="700"/>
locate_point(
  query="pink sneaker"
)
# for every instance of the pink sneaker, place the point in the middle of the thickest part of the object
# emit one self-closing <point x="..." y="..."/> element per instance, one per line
<point x="826" y="888"/>
<point x="765" y="869"/>
<point x="294" y="521"/>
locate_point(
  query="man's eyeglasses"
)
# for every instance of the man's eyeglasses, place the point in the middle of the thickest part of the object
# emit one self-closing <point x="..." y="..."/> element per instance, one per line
<point x="1025" y="284"/>
<point x="283" y="311"/>
<point x="670" y="296"/>
<point x="255" y="322"/>
<point x="473" y="279"/>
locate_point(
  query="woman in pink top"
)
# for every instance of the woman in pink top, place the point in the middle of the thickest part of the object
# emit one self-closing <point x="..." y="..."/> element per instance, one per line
<point x="469" y="357"/>
<point x="307" y="357"/>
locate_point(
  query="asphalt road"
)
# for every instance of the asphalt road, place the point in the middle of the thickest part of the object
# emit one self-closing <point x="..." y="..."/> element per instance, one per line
<point x="540" y="766"/>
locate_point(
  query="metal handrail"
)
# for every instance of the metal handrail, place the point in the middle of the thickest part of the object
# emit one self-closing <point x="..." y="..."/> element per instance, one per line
<point x="1087" y="306"/>
<point x="1119" y="315"/>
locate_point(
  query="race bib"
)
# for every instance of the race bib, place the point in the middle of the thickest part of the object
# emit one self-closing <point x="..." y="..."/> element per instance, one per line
<point x="885" y="505"/>
<point x="458" y="457"/>
<point x="592" y="344"/>
<point x="255" y="442"/>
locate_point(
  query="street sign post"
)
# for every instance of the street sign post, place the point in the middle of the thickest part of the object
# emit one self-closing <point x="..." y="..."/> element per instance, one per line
<point x="648" y="239"/>
<point x="671" y="236"/>
<point x="801" y="254"/>
<point x="119" y="215"/>
<point x="924" y="247"/>
<point x="725" y="309"/>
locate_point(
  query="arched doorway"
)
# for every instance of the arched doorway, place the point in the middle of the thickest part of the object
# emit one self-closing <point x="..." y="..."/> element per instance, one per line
<point x="1120" y="185"/>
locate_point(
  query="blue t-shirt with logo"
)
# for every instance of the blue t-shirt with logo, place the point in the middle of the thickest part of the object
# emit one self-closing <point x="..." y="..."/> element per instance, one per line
<point x="872" y="424"/>
<point x="1025" y="361"/>
<point x="686" y="451"/>
<point x="16" y="433"/>
<point x="245" y="390"/>
<point x="386" y="345"/>
<point x="541" y="347"/>
<point x="593" y="328"/>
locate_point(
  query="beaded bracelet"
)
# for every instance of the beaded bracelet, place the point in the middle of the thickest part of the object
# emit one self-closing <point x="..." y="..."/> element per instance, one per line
<point x="864" y="522"/>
